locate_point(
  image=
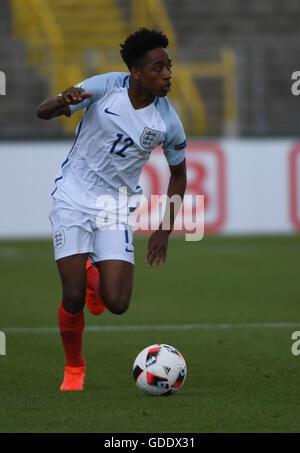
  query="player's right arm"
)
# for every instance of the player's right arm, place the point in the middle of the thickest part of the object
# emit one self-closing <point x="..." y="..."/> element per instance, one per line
<point x="52" y="107"/>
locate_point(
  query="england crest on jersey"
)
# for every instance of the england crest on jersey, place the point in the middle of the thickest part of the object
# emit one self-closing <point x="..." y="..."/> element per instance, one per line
<point x="149" y="138"/>
<point x="59" y="239"/>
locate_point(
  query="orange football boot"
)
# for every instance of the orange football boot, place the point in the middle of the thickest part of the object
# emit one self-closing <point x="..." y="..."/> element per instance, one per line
<point x="93" y="299"/>
<point x="73" y="378"/>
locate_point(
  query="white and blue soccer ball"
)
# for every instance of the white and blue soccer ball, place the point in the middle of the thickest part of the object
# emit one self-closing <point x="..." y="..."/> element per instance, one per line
<point x="159" y="369"/>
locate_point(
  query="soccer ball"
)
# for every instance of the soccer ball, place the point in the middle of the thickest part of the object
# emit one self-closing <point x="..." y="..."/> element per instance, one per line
<point x="159" y="369"/>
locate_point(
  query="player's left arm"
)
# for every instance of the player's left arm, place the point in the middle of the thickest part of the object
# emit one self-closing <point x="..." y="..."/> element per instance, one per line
<point x="158" y="241"/>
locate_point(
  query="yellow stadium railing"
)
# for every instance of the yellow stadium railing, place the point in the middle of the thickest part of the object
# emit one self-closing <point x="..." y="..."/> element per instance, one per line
<point x="59" y="57"/>
<point x="153" y="13"/>
<point x="225" y="70"/>
<point x="49" y="49"/>
<point x="35" y="21"/>
<point x="42" y="34"/>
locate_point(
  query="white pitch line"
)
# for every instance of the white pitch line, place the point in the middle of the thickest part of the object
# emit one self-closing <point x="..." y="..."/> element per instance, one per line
<point x="257" y="325"/>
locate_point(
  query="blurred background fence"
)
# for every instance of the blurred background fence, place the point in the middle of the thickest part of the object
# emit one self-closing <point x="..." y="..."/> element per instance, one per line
<point x="232" y="71"/>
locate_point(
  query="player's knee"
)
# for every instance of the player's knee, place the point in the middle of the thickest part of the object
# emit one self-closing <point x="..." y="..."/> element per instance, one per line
<point x="119" y="310"/>
<point x="117" y="304"/>
<point x="74" y="299"/>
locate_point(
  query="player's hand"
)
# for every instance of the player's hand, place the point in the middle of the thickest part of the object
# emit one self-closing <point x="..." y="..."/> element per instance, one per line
<point x="73" y="96"/>
<point x="157" y="248"/>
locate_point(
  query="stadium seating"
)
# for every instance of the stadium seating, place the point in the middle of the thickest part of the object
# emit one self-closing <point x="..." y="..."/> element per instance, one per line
<point x="233" y="63"/>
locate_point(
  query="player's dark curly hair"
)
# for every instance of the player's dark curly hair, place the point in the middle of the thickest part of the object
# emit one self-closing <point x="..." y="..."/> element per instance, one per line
<point x="139" y="43"/>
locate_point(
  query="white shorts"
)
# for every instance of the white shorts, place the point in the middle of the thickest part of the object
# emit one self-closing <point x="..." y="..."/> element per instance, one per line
<point x="76" y="232"/>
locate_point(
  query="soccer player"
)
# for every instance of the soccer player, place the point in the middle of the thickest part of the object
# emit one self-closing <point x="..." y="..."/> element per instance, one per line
<point x="126" y="116"/>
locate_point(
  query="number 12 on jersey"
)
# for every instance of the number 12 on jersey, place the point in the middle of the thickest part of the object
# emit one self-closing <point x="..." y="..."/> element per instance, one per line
<point x="128" y="142"/>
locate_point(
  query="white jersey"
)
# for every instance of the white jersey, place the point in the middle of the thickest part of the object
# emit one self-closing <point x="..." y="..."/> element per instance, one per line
<point x="114" y="141"/>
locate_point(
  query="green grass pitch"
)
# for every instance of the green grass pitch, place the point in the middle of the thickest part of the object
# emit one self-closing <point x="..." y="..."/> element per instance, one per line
<point x="243" y="293"/>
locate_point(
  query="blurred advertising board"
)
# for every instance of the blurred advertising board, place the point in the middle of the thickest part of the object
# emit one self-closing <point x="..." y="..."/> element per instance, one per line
<point x="249" y="186"/>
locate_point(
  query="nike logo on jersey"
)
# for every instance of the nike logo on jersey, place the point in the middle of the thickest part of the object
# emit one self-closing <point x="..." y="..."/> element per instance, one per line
<point x="110" y="113"/>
